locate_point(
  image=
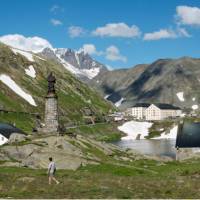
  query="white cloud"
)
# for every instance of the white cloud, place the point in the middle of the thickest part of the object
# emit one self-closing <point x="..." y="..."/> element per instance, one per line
<point x="117" y="30"/>
<point x="76" y="31"/>
<point x="188" y="15"/>
<point x="113" y="54"/>
<point x="161" y="34"/>
<point x="90" y="49"/>
<point x="56" y="8"/>
<point x="166" y="34"/>
<point x="56" y="22"/>
<point x="34" y="44"/>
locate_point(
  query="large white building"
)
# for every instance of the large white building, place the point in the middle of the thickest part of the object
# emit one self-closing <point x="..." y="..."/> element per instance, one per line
<point x="138" y="110"/>
<point x="150" y="112"/>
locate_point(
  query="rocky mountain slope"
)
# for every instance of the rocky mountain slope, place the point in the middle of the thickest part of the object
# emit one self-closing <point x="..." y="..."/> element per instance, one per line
<point x="163" y="81"/>
<point x="110" y="83"/>
<point x="78" y="63"/>
<point x="175" y="81"/>
<point x="23" y="87"/>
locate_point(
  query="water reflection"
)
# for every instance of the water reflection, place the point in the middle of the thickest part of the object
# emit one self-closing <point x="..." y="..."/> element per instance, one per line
<point x="150" y="147"/>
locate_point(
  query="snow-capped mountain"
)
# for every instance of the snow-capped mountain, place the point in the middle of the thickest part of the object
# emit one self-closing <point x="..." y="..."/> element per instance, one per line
<point x="23" y="86"/>
<point x="77" y="62"/>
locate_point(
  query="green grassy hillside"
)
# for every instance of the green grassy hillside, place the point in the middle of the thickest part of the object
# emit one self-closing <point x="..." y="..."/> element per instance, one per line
<point x="73" y="95"/>
<point x="143" y="179"/>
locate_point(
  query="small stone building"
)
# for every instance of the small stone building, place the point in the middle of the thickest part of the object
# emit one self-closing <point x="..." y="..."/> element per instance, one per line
<point x="188" y="140"/>
<point x="6" y="130"/>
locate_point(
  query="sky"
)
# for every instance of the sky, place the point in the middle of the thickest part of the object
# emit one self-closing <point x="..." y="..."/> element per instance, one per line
<point x="117" y="33"/>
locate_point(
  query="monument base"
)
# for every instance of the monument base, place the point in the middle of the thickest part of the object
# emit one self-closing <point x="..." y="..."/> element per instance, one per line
<point x="187" y="153"/>
<point x="51" y="114"/>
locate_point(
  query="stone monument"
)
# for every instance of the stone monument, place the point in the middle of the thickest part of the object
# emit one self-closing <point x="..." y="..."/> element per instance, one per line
<point x="51" y="107"/>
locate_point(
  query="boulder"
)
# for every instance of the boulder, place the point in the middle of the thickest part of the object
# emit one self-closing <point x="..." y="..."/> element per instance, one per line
<point x="17" y="137"/>
<point x="62" y="160"/>
<point x="3" y="157"/>
<point x="20" y="152"/>
<point x="60" y="143"/>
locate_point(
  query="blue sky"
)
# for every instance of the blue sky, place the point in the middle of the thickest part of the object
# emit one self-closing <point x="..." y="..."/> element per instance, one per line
<point x="118" y="33"/>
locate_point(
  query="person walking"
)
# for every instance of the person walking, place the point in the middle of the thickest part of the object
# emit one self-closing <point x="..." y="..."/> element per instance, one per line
<point x="51" y="171"/>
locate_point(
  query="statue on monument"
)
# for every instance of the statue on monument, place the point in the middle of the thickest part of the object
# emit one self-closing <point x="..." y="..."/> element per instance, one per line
<point x="51" y="83"/>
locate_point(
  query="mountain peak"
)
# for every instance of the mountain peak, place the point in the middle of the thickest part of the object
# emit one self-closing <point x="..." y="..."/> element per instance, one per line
<point x="77" y="62"/>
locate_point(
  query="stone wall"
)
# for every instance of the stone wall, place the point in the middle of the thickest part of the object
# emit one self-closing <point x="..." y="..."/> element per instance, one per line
<point x="51" y="114"/>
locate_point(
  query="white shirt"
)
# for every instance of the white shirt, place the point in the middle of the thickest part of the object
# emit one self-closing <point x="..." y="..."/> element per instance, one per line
<point x="51" y="167"/>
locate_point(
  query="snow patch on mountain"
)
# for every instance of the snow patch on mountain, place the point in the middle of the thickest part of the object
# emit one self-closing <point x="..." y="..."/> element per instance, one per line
<point x="60" y="51"/>
<point x="195" y="107"/>
<point x="93" y="64"/>
<point x="89" y="73"/>
<point x="133" y="128"/>
<point x="68" y="66"/>
<point x="193" y="99"/>
<point x="77" y="58"/>
<point x="171" y="135"/>
<point x="17" y="89"/>
<point x="31" y="71"/>
<point x="118" y="103"/>
<point x="26" y="54"/>
<point x="180" y="96"/>
<point x="107" y="96"/>
<point x="40" y="58"/>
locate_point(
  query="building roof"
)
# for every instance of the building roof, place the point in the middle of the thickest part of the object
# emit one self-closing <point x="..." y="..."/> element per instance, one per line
<point x="7" y="129"/>
<point x="164" y="106"/>
<point x="145" y="105"/>
<point x="188" y="135"/>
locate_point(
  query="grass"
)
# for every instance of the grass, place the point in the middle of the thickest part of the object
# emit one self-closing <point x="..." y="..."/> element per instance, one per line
<point x="107" y="132"/>
<point x="159" y="127"/>
<point x="73" y="95"/>
<point x="23" y="121"/>
<point x="170" y="180"/>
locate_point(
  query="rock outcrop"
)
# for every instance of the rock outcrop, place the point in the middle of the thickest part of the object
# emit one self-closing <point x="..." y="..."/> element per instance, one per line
<point x="16" y="137"/>
<point x="68" y="153"/>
